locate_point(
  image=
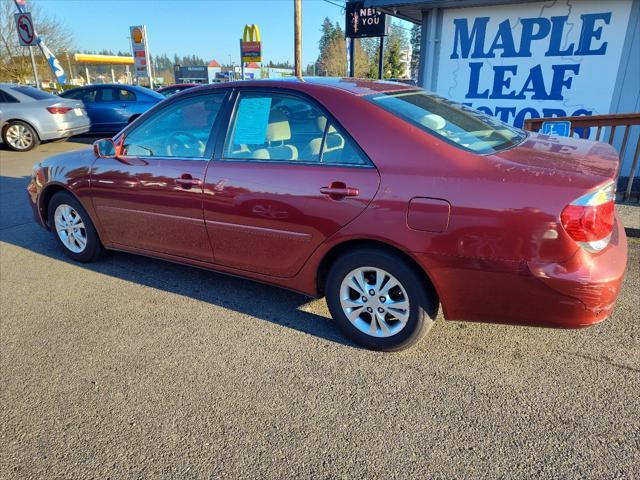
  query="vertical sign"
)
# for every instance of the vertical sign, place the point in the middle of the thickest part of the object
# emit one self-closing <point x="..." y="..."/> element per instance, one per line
<point x="140" y="51"/>
<point x="250" y="46"/>
<point x="26" y="33"/>
<point x="364" y="22"/>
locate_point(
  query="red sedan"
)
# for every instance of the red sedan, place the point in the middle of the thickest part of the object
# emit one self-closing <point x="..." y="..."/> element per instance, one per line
<point x="386" y="199"/>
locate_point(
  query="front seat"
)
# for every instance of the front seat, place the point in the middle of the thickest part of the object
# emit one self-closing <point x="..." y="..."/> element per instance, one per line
<point x="335" y="141"/>
<point x="278" y="133"/>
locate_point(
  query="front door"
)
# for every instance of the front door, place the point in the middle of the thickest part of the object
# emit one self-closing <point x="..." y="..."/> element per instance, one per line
<point x="286" y="179"/>
<point x="150" y="196"/>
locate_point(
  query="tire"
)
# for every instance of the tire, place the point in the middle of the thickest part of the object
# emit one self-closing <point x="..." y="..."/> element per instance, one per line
<point x="65" y="209"/>
<point x="404" y="326"/>
<point x="20" y="136"/>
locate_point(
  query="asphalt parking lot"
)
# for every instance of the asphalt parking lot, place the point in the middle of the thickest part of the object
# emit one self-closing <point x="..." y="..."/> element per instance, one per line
<point x="135" y="368"/>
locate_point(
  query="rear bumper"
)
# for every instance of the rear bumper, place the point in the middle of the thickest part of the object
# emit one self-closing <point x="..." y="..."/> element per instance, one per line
<point x="577" y="293"/>
<point x="68" y="129"/>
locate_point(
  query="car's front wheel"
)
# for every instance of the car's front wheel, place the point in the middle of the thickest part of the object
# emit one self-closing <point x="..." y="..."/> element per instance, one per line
<point x="379" y="300"/>
<point x="20" y="136"/>
<point x="73" y="228"/>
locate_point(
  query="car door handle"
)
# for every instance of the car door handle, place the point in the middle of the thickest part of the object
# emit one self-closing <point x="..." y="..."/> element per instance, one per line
<point x="186" y="181"/>
<point x="339" y="190"/>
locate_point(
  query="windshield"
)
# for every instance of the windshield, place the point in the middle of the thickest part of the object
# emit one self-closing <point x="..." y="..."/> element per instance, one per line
<point x="453" y="122"/>
<point x="33" y="93"/>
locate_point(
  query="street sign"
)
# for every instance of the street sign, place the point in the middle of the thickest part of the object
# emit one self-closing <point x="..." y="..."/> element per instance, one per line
<point x="559" y="129"/>
<point x="26" y="32"/>
<point x="250" y="45"/>
<point x="365" y="22"/>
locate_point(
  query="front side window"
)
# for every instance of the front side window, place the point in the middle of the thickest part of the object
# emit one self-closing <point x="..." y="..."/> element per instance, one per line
<point x="278" y="127"/>
<point x="179" y="130"/>
<point x="84" y="95"/>
<point x="453" y="122"/>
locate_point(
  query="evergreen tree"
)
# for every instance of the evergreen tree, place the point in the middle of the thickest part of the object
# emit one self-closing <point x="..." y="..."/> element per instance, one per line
<point x="416" y="40"/>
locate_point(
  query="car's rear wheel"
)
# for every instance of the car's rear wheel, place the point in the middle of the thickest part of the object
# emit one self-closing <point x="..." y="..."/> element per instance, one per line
<point x="20" y="136"/>
<point x="73" y="228"/>
<point x="379" y="300"/>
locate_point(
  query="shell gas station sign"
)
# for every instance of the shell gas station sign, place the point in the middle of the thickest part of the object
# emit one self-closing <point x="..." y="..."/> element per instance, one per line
<point x="250" y="45"/>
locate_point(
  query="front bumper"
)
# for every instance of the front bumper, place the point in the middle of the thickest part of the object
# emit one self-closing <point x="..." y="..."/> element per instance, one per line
<point x="576" y="293"/>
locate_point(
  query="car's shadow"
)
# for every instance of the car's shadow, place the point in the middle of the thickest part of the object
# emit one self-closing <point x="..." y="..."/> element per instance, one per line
<point x="265" y="302"/>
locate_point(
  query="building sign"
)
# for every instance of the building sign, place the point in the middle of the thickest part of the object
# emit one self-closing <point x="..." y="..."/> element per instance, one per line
<point x="250" y="46"/>
<point x="364" y="22"/>
<point x="533" y="60"/>
<point x="140" y="51"/>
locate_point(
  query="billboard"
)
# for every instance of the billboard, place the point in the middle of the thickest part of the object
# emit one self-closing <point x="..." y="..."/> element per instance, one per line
<point x="535" y="59"/>
<point x="140" y="51"/>
<point x="364" y="22"/>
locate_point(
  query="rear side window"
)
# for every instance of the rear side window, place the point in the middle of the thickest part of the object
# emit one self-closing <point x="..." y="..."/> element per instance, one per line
<point x="33" y="93"/>
<point x="280" y="127"/>
<point x="6" y="98"/>
<point x="454" y="123"/>
<point x="116" y="95"/>
<point x="85" y="95"/>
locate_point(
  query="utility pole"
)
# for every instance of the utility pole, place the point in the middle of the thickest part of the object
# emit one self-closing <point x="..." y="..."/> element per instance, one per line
<point x="35" y="69"/>
<point x="381" y="59"/>
<point x="297" y="24"/>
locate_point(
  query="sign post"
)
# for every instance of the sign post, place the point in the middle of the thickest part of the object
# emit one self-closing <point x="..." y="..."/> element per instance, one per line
<point x="27" y="37"/>
<point x="365" y="22"/>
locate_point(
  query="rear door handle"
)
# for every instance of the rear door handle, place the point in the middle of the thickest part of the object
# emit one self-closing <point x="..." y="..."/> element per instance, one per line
<point x="186" y="181"/>
<point x="339" y="190"/>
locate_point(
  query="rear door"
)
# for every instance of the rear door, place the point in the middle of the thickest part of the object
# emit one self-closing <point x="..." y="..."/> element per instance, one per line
<point x="284" y="179"/>
<point x="113" y="107"/>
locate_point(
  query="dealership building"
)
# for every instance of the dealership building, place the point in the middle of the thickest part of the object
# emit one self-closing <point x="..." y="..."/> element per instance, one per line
<point x="526" y="59"/>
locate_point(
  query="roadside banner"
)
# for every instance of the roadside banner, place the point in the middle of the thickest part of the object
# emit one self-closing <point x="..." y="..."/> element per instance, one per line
<point x="23" y="26"/>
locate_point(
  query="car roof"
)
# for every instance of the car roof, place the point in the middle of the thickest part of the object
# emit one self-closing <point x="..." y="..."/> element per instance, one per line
<point x="356" y="86"/>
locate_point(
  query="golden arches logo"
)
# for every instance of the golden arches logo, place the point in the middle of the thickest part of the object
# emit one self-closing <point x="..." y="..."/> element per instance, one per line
<point x="251" y="33"/>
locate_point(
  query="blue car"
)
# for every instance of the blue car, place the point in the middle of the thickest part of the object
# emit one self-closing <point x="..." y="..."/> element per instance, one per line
<point x="111" y="107"/>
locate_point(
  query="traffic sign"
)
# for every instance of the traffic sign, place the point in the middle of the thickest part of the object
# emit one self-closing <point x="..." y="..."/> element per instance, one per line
<point x="26" y="32"/>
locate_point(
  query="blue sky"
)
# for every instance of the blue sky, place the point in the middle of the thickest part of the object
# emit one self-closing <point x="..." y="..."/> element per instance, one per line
<point x="208" y="28"/>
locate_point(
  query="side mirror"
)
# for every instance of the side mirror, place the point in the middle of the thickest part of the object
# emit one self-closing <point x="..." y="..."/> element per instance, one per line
<point x="104" y="148"/>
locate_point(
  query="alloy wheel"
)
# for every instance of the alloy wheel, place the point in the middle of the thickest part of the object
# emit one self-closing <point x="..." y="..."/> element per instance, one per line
<point x="374" y="301"/>
<point x="19" y="137"/>
<point x="70" y="228"/>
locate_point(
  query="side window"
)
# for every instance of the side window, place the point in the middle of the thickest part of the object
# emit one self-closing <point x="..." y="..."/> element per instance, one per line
<point x="125" y="95"/>
<point x="105" y="95"/>
<point x="179" y="130"/>
<point x="269" y="126"/>
<point x="339" y="149"/>
<point x="6" y="98"/>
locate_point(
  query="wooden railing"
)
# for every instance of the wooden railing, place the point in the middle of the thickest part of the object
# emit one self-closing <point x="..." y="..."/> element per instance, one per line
<point x="615" y="129"/>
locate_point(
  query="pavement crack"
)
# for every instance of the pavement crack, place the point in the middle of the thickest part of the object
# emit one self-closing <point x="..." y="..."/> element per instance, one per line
<point x="602" y="360"/>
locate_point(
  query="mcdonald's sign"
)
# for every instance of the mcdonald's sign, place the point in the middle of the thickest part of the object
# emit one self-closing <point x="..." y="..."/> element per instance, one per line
<point x="250" y="46"/>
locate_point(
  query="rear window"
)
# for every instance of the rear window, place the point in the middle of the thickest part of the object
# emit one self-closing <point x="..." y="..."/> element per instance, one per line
<point x="452" y="122"/>
<point x="33" y="93"/>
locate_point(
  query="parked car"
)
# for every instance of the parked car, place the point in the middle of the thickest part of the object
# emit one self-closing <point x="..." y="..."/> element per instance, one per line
<point x="173" y="89"/>
<point x="111" y="107"/>
<point x="386" y="199"/>
<point x="29" y="115"/>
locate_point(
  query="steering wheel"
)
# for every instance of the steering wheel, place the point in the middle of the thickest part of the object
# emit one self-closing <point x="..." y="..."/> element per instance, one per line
<point x="182" y="143"/>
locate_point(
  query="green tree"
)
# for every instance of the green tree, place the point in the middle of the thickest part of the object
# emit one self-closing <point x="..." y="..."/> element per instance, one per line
<point x="416" y="40"/>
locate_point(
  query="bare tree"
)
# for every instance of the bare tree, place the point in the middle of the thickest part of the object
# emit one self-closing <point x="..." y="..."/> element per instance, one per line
<point x="15" y="64"/>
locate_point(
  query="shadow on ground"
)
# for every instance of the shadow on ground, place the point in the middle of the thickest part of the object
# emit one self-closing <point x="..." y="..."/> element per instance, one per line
<point x="265" y="302"/>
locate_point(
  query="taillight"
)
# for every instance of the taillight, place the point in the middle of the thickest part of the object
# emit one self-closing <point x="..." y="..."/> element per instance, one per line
<point x="55" y="110"/>
<point x="589" y="219"/>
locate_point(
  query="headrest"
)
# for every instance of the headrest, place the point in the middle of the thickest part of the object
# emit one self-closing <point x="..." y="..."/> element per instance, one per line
<point x="278" y="129"/>
<point x="321" y="122"/>
<point x="334" y="140"/>
<point x="433" y="121"/>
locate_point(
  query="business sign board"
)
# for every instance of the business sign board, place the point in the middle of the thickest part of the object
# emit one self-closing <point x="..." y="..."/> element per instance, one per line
<point x="532" y="60"/>
<point x="26" y="32"/>
<point x="364" y="22"/>
<point x="139" y="48"/>
<point x="250" y="45"/>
